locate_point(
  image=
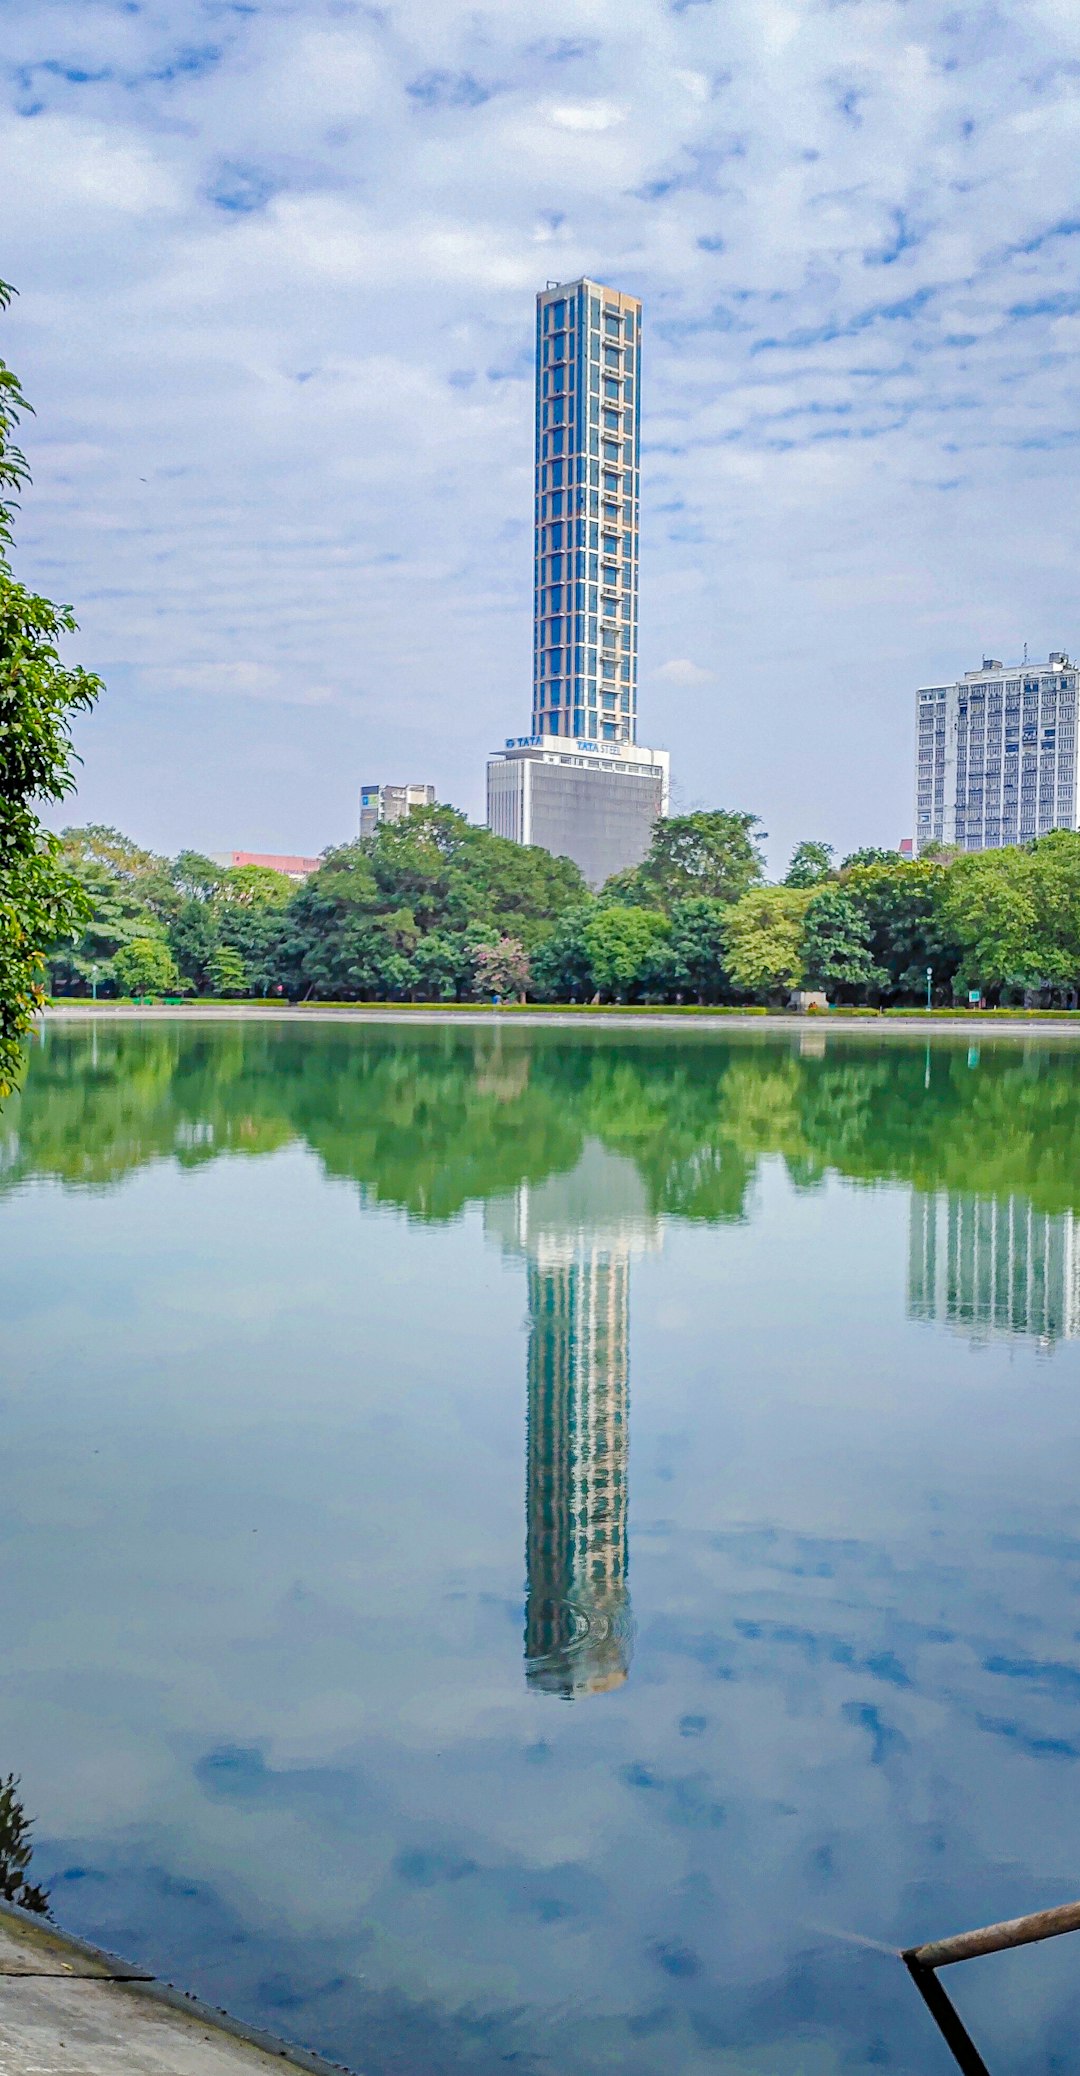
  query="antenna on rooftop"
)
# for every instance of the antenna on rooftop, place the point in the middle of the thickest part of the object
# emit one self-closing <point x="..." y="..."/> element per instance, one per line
<point x="1025" y="652"/>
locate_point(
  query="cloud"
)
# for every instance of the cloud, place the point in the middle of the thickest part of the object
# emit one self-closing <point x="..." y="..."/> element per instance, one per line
<point x="681" y="671"/>
<point x="255" y="264"/>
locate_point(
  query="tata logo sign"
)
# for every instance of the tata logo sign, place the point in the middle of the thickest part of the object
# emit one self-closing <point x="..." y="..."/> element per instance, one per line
<point x="524" y="742"/>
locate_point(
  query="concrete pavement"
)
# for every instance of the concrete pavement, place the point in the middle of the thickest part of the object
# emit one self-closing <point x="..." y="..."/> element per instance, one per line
<point x="68" y="2010"/>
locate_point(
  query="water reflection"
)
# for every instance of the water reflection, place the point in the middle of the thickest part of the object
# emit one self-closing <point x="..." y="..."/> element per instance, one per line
<point x="994" y="1266"/>
<point x="578" y="1233"/>
<point x="267" y="1399"/>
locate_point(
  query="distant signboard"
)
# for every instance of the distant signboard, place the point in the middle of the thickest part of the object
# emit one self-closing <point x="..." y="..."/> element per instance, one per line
<point x="975" y="997"/>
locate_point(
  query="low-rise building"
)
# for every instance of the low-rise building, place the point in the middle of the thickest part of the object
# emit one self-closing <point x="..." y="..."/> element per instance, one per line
<point x="596" y="803"/>
<point x="287" y="863"/>
<point x="995" y="756"/>
<point x="391" y="804"/>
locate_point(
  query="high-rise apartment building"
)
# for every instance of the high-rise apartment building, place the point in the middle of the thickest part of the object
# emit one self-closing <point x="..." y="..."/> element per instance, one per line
<point x="391" y="804"/>
<point x="995" y="758"/>
<point x="581" y="785"/>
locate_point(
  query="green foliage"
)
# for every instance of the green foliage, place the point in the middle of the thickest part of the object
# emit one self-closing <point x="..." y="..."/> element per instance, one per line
<point x="835" y="947"/>
<point x="989" y="905"/>
<point x="618" y="941"/>
<point x="254" y="886"/>
<point x="713" y="855"/>
<point x="15" y="1846"/>
<point x="869" y="854"/>
<point x="763" y="940"/>
<point x="39" y="698"/>
<point x="400" y="913"/>
<point x="226" y="971"/>
<point x="145" y="967"/>
<point x="901" y="902"/>
<point x="810" y="864"/>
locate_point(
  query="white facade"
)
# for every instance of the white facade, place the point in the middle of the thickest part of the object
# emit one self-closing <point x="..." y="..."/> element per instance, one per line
<point x="391" y="804"/>
<point x="596" y="803"/>
<point x="995" y="757"/>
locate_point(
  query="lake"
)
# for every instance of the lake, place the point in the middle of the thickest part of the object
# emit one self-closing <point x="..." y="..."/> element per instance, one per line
<point x="549" y="1549"/>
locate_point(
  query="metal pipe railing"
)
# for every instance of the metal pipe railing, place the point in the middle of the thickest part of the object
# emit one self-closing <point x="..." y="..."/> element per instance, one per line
<point x="922" y="1962"/>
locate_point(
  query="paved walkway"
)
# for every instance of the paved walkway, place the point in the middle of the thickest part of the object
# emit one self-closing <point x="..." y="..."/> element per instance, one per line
<point x="67" y="2010"/>
<point x="719" y="1024"/>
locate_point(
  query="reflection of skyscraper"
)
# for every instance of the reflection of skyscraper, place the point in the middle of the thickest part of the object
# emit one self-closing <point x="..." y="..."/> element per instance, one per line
<point x="992" y="1266"/>
<point x="578" y="1232"/>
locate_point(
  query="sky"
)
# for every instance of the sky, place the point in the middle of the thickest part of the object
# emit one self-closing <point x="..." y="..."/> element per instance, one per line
<point x="276" y="267"/>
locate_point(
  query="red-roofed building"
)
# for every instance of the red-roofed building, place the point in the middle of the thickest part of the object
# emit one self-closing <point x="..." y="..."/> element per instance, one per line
<point x="293" y="868"/>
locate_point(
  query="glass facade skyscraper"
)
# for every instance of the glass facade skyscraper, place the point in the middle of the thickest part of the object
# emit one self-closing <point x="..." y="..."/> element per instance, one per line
<point x="587" y="505"/>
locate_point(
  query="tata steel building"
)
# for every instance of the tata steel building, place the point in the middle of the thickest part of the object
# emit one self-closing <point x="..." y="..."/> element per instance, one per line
<point x="581" y="785"/>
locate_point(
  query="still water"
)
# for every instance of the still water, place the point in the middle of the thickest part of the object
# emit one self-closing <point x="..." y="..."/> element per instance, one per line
<point x="526" y="1548"/>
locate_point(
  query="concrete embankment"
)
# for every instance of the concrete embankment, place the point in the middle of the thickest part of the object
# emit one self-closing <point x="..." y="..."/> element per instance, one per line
<point x="718" y="1023"/>
<point x="68" y="2010"/>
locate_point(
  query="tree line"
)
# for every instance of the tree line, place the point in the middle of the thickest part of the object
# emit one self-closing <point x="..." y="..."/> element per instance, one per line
<point x="465" y="1112"/>
<point x="435" y="909"/>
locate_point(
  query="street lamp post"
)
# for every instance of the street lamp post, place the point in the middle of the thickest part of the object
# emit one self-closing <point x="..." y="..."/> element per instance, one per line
<point x="929" y="984"/>
<point x="93" y="982"/>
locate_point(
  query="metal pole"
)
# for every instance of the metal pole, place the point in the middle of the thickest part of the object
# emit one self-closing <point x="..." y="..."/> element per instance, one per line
<point x="953" y="2032"/>
<point x="922" y="1961"/>
<point x="1013" y="1931"/>
<point x="929" y="983"/>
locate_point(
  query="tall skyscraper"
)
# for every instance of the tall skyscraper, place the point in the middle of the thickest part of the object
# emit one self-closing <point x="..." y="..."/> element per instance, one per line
<point x="586" y="511"/>
<point x="580" y="785"/>
<point x="995" y="757"/>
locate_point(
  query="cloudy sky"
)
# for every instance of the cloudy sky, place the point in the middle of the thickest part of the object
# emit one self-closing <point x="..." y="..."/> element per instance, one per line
<point x="276" y="268"/>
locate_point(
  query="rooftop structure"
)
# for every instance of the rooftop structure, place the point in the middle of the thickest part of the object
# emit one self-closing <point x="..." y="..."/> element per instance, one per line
<point x="995" y="758"/>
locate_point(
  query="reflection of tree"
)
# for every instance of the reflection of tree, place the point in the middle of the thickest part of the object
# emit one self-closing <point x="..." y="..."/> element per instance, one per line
<point x="16" y="1851"/>
<point x="438" y="1117"/>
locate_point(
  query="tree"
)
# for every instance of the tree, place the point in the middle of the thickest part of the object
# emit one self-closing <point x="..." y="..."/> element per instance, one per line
<point x="194" y="937"/>
<point x="39" y="699"/>
<point x="561" y="970"/>
<point x="900" y="900"/>
<point x="113" y="915"/>
<point x="762" y="940"/>
<point x="502" y="968"/>
<point x="254" y="886"/>
<point x="696" y="958"/>
<point x="836" y="945"/>
<point x="226" y="971"/>
<point x="989" y="906"/>
<point x="146" y="967"/>
<point x="618" y="941"/>
<point x="869" y="854"/>
<point x="715" y="855"/>
<point x="810" y="864"/>
<point x="195" y="876"/>
<point x="15" y="1847"/>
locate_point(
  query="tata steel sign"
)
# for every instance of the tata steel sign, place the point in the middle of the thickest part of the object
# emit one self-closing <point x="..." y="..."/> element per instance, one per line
<point x="536" y="742"/>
